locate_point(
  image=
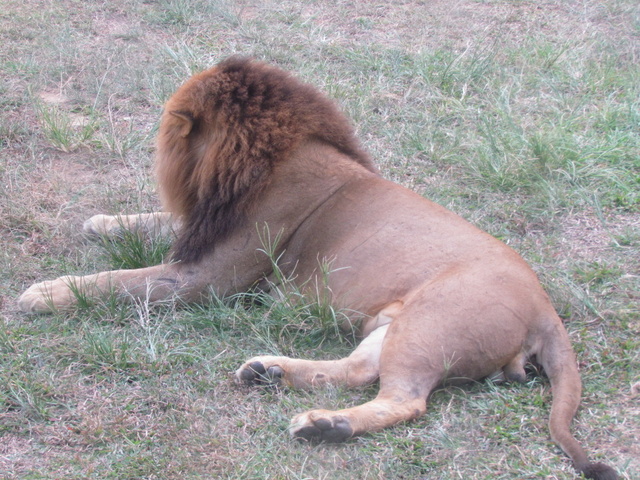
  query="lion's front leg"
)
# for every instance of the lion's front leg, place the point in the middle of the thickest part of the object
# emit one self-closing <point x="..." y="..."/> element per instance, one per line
<point x="151" y="283"/>
<point x="151" y="224"/>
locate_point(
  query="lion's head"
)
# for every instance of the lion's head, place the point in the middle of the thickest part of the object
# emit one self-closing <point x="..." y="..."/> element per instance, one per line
<point x="221" y="134"/>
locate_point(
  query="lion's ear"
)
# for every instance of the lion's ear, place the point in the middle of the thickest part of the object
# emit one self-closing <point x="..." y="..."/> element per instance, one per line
<point x="185" y="122"/>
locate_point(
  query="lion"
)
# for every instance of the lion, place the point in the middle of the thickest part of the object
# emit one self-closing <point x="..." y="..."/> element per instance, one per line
<point x="244" y="145"/>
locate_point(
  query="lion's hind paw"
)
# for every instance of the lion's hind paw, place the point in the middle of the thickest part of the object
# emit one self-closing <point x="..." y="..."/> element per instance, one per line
<point x="254" y="372"/>
<point x="320" y="426"/>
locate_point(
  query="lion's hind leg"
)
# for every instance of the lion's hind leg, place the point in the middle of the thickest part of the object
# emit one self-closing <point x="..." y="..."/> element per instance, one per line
<point x="359" y="368"/>
<point x="398" y="401"/>
<point x="387" y="409"/>
<point x="151" y="224"/>
<point x="406" y="380"/>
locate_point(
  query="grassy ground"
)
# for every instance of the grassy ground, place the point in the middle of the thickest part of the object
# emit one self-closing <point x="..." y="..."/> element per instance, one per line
<point x="521" y="116"/>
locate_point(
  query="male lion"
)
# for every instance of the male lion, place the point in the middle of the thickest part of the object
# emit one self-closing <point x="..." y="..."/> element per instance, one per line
<point x="244" y="145"/>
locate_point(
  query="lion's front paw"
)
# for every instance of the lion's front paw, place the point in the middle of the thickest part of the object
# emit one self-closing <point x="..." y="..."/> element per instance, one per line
<point x="47" y="296"/>
<point x="261" y="371"/>
<point x="102" y="225"/>
<point x="320" y="426"/>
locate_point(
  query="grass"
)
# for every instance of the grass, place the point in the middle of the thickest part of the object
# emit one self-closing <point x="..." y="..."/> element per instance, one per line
<point x="130" y="249"/>
<point x="525" y="120"/>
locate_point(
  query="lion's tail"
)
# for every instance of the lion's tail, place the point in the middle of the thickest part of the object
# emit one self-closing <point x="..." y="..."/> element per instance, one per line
<point x="558" y="361"/>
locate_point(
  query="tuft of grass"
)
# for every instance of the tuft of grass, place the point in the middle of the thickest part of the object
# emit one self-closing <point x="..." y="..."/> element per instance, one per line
<point x="131" y="249"/>
<point x="293" y="317"/>
<point x="64" y="130"/>
<point x="185" y="13"/>
<point x="105" y="350"/>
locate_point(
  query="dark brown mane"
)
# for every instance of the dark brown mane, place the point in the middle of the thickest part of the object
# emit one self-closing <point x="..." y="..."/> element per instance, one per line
<point x="220" y="136"/>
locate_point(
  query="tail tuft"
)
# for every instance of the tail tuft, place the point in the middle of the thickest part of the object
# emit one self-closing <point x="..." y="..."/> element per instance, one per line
<point x="600" y="471"/>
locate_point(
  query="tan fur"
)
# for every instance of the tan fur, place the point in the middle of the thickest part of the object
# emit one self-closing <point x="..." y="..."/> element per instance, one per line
<point x="244" y="149"/>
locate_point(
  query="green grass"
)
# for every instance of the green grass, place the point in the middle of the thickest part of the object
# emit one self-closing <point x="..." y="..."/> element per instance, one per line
<point x="523" y="118"/>
<point x="129" y="249"/>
